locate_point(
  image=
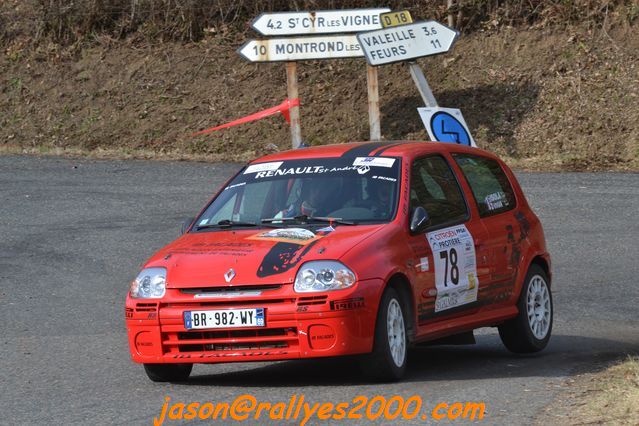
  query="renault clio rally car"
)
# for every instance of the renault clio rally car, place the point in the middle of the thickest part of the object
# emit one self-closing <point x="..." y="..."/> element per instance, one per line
<point x="361" y="248"/>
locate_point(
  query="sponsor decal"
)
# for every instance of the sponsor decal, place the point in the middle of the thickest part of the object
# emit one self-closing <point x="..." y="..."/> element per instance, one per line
<point x="347" y="304"/>
<point x="263" y="167"/>
<point x="228" y="187"/>
<point x="374" y="161"/>
<point x="423" y="265"/>
<point x="306" y="170"/>
<point x="455" y="267"/>
<point x="390" y="179"/>
<point x="287" y="235"/>
<point x="218" y="249"/>
<point x="363" y="170"/>
<point x="323" y="336"/>
<point x="496" y="200"/>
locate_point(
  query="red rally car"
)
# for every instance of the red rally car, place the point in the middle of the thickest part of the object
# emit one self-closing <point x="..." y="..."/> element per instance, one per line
<point x="361" y="248"/>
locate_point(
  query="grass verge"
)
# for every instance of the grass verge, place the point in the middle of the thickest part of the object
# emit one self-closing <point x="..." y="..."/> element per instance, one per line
<point x="607" y="397"/>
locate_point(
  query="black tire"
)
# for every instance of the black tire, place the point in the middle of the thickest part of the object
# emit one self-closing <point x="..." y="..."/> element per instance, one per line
<point x="517" y="334"/>
<point x="168" y="372"/>
<point x="380" y="364"/>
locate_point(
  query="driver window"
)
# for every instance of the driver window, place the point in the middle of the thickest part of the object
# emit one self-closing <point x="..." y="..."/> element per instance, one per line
<point x="225" y="212"/>
<point x="434" y="187"/>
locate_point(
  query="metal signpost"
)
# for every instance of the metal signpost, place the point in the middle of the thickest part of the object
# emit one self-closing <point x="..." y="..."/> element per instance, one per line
<point x="314" y="46"/>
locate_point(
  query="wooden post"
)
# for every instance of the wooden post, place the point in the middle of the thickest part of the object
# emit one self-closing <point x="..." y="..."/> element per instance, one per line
<point x="451" y="19"/>
<point x="373" y="103"/>
<point x="291" y="88"/>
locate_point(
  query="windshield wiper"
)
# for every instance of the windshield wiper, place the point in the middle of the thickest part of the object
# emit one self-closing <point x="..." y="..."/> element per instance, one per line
<point x="309" y="219"/>
<point x="226" y="223"/>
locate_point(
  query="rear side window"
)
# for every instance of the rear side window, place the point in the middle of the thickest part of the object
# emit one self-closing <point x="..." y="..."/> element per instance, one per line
<point x="434" y="187"/>
<point x="491" y="188"/>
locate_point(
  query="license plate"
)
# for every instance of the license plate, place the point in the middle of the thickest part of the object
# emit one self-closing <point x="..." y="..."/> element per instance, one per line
<point x="224" y="318"/>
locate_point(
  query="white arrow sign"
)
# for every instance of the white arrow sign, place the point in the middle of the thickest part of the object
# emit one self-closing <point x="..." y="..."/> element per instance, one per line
<point x="301" y="48"/>
<point x="318" y="22"/>
<point x="395" y="44"/>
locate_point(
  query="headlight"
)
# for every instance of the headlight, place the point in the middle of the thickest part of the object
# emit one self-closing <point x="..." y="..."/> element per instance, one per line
<point x="323" y="275"/>
<point x="149" y="284"/>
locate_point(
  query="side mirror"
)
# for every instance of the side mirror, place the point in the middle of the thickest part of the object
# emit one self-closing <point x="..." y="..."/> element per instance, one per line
<point x="420" y="220"/>
<point x="186" y="224"/>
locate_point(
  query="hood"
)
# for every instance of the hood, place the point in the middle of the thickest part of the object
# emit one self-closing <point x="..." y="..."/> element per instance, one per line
<point x="256" y="256"/>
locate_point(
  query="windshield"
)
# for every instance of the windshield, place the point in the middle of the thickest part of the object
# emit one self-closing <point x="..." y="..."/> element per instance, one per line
<point x="355" y="189"/>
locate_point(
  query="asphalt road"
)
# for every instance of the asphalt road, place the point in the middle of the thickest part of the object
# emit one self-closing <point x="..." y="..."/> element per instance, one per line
<point x="73" y="233"/>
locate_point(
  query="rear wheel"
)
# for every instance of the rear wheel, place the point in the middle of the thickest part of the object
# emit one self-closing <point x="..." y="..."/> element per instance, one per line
<point x="168" y="372"/>
<point x="530" y="330"/>
<point x="388" y="360"/>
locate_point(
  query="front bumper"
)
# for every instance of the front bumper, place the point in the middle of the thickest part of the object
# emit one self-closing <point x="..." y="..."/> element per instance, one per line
<point x="297" y="326"/>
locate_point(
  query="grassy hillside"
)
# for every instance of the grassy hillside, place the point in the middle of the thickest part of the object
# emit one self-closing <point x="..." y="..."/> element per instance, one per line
<point x="547" y="84"/>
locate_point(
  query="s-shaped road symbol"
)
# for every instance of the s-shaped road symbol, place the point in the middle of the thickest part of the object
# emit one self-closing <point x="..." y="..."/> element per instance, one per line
<point x="447" y="128"/>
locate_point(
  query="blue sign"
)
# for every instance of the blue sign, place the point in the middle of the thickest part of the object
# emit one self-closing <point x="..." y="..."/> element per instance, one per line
<point x="447" y="128"/>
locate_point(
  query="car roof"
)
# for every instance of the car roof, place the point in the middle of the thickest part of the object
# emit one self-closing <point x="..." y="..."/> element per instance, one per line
<point x="407" y="149"/>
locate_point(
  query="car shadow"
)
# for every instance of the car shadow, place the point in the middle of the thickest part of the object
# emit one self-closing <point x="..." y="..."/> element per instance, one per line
<point x="508" y="103"/>
<point x="565" y="355"/>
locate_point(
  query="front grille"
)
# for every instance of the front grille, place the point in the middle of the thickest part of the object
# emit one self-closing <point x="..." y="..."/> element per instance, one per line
<point x="311" y="300"/>
<point x="203" y="303"/>
<point x="146" y="307"/>
<point x="227" y="289"/>
<point x="231" y="340"/>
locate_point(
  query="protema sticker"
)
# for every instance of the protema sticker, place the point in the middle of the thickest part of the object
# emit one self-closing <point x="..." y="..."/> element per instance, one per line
<point x="346" y="304"/>
<point x="455" y="267"/>
<point x="374" y="161"/>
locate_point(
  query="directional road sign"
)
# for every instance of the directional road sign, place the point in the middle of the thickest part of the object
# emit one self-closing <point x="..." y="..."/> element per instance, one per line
<point x="301" y="48"/>
<point x="405" y="42"/>
<point x="318" y="22"/>
<point x="446" y="125"/>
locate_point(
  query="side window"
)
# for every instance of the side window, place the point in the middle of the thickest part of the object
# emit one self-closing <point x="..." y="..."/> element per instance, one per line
<point x="491" y="188"/>
<point x="434" y="187"/>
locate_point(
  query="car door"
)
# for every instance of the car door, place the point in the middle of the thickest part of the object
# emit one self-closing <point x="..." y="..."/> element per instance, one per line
<point x="447" y="284"/>
<point x="497" y="207"/>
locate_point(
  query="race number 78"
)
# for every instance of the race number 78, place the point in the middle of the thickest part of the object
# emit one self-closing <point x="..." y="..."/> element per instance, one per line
<point x="450" y="268"/>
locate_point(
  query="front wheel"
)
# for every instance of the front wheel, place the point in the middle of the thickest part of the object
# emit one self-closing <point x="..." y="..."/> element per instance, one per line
<point x="388" y="360"/>
<point x="168" y="372"/>
<point x="530" y="330"/>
